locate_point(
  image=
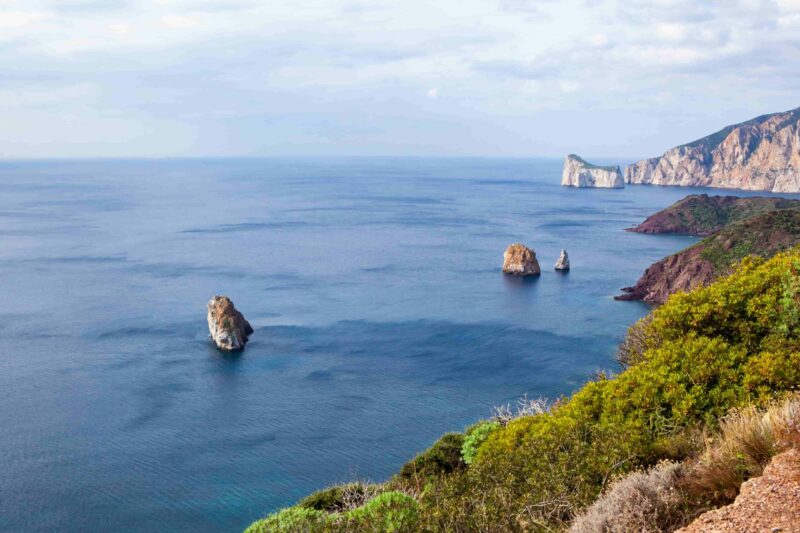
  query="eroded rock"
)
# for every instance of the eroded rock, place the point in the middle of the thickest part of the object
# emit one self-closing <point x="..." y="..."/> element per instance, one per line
<point x="228" y="327"/>
<point x="563" y="261"/>
<point x="520" y="260"/>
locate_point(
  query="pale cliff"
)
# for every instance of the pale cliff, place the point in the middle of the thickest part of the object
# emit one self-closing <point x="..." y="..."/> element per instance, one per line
<point x="762" y="154"/>
<point x="579" y="173"/>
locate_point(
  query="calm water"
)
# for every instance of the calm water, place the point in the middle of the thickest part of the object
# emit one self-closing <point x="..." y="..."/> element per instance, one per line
<point x="381" y="322"/>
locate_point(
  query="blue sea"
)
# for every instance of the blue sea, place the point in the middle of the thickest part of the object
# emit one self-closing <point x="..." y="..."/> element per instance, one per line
<point x="381" y="321"/>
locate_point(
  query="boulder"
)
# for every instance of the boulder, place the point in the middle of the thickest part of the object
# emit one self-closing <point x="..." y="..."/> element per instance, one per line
<point x="563" y="261"/>
<point x="228" y="327"/>
<point x="520" y="261"/>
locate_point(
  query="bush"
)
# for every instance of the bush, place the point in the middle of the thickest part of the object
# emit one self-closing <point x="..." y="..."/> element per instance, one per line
<point x="443" y="457"/>
<point x="340" y="497"/>
<point x="391" y="512"/>
<point x="476" y="436"/>
<point x="645" y="502"/>
<point x="291" y="520"/>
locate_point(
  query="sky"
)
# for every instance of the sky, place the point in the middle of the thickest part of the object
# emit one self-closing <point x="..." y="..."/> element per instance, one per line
<point x="164" y="78"/>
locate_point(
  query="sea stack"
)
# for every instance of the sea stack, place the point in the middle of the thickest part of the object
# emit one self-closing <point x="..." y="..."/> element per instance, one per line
<point x="520" y="260"/>
<point x="580" y="173"/>
<point x="563" y="261"/>
<point x="228" y="327"/>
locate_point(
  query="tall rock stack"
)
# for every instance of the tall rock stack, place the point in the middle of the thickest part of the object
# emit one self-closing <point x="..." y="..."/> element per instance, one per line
<point x="520" y="260"/>
<point x="228" y="328"/>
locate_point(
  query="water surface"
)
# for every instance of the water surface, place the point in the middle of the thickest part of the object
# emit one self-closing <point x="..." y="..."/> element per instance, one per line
<point x="381" y="319"/>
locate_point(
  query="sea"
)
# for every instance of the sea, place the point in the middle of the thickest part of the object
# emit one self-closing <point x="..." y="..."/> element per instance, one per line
<point x="381" y="320"/>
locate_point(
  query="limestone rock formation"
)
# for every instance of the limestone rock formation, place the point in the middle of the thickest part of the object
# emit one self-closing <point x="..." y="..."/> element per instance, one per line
<point x="520" y="261"/>
<point x="563" y="261"/>
<point x="579" y="173"/>
<point x="762" y="154"/>
<point x="228" y="327"/>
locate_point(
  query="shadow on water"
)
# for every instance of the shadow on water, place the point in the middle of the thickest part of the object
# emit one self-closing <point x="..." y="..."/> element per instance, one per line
<point x="520" y="282"/>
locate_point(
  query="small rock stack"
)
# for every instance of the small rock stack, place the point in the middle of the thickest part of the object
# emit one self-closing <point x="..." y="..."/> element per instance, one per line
<point x="563" y="261"/>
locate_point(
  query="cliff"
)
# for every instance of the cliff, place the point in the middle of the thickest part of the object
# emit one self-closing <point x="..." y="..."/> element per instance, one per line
<point x="762" y="154"/>
<point x="762" y="235"/>
<point x="579" y="173"/>
<point x="702" y="215"/>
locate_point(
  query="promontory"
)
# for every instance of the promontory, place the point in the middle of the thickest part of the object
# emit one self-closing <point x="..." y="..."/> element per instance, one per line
<point x="762" y="154"/>
<point x="580" y="173"/>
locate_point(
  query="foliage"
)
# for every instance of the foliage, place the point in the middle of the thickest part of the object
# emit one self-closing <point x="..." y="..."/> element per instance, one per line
<point x="340" y="497"/>
<point x="393" y="512"/>
<point x="476" y="436"/>
<point x="443" y="457"/>
<point x="701" y="354"/>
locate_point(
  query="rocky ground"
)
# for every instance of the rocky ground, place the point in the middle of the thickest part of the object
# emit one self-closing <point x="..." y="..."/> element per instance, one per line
<point x="769" y="503"/>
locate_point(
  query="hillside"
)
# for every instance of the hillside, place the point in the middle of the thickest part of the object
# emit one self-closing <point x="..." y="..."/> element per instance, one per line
<point x="762" y="154"/>
<point x="762" y="235"/>
<point x="693" y="360"/>
<point x="702" y="215"/>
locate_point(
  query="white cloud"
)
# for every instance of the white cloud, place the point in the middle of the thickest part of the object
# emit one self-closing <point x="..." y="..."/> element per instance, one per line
<point x="242" y="66"/>
<point x="178" y="21"/>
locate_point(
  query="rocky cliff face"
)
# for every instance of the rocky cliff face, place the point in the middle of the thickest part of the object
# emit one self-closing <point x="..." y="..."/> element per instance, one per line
<point x="228" y="327"/>
<point x="520" y="260"/>
<point x="579" y="173"/>
<point x="762" y="154"/>
<point x="763" y="235"/>
<point x="702" y="215"/>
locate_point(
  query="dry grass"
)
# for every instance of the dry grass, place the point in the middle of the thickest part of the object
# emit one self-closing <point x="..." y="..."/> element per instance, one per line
<point x="748" y="439"/>
<point x="525" y="407"/>
<point x="671" y="494"/>
<point x="644" y="502"/>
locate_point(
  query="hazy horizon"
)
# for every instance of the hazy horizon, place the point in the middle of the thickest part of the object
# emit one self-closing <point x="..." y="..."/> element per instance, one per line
<point x="506" y="78"/>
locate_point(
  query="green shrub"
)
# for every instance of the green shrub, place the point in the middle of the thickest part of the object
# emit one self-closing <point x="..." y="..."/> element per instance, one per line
<point x="476" y="436"/>
<point x="392" y="512"/>
<point x="340" y="497"/>
<point x="291" y="520"/>
<point x="443" y="457"/>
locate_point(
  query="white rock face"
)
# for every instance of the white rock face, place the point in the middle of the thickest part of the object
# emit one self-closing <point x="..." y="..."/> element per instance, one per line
<point x="563" y="261"/>
<point x="520" y="260"/>
<point x="579" y="173"/>
<point x="228" y="328"/>
<point x="762" y="154"/>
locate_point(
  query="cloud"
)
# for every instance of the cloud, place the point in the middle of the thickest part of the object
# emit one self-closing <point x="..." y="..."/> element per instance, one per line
<point x="235" y="71"/>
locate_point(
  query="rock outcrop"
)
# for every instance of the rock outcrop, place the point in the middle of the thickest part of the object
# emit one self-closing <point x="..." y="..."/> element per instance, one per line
<point x="763" y="235"/>
<point x="563" y="261"/>
<point x="768" y="503"/>
<point x="228" y="327"/>
<point x="762" y="154"/>
<point x="520" y="261"/>
<point x="579" y="173"/>
<point x="702" y="215"/>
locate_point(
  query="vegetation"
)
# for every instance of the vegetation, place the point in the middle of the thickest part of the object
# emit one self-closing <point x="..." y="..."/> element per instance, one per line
<point x="730" y="345"/>
<point x="762" y="235"/>
<point x="591" y="166"/>
<point x="700" y="214"/>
